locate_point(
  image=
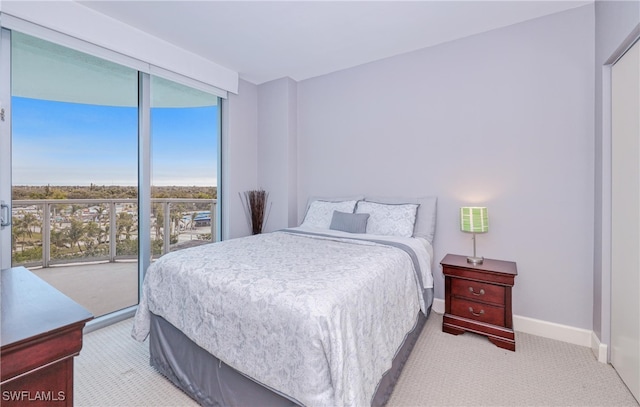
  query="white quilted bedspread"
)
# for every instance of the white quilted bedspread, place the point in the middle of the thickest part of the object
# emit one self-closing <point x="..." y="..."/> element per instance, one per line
<point x="317" y="319"/>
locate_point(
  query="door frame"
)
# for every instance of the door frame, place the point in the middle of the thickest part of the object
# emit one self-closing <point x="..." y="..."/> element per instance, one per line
<point x="601" y="346"/>
<point x="5" y="144"/>
<point x="625" y="217"/>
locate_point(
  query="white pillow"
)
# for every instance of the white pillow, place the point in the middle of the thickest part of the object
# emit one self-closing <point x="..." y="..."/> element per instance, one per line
<point x="389" y="219"/>
<point x="320" y="213"/>
<point x="425" y="217"/>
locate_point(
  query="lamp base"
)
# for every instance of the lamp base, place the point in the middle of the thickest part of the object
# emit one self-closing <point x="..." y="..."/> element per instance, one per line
<point x="475" y="260"/>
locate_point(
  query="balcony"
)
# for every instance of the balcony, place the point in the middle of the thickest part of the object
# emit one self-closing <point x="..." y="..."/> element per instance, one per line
<point x="101" y="288"/>
<point x="88" y="248"/>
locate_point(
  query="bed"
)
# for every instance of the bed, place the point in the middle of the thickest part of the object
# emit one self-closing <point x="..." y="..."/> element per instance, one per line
<point x="324" y="314"/>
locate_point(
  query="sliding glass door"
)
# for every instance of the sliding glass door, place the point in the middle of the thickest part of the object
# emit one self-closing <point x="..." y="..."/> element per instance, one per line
<point x="103" y="168"/>
<point x="185" y="128"/>
<point x="75" y="172"/>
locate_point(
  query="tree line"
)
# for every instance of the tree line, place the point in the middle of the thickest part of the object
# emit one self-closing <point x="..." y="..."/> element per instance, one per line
<point x="25" y="192"/>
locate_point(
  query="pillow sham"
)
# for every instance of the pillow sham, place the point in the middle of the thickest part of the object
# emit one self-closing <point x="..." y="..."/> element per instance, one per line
<point x="349" y="222"/>
<point x="320" y="213"/>
<point x="389" y="219"/>
<point x="425" y="226"/>
<point x="329" y="198"/>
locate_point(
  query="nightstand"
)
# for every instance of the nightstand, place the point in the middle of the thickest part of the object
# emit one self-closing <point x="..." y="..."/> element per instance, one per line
<point x="478" y="298"/>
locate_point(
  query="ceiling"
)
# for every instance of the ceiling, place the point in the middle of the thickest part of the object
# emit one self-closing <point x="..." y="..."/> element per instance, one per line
<point x="266" y="40"/>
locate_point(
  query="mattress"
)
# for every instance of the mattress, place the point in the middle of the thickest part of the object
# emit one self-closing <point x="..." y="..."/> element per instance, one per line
<point x="315" y="316"/>
<point x="211" y="382"/>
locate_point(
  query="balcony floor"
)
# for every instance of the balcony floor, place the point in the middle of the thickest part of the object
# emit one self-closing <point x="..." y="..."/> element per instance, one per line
<point x="99" y="287"/>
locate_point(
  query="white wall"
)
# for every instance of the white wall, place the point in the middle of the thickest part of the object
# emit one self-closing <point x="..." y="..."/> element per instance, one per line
<point x="260" y="147"/>
<point x="277" y="146"/>
<point x="503" y="119"/>
<point x="240" y="157"/>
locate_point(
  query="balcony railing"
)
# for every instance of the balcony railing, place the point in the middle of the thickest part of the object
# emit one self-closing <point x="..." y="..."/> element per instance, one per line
<point x="46" y="232"/>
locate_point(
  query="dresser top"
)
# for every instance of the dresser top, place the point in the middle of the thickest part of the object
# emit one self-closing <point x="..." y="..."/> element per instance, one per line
<point x="495" y="266"/>
<point x="31" y="307"/>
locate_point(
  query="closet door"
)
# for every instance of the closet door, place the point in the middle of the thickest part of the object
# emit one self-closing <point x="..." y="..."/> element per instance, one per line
<point x="625" y="275"/>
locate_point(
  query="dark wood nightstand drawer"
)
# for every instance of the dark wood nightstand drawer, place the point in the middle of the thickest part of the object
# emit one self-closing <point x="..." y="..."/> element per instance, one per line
<point x="475" y="290"/>
<point x="477" y="298"/>
<point x="490" y="314"/>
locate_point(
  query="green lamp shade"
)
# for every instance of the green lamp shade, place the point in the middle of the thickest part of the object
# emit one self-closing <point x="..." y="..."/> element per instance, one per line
<point x="474" y="219"/>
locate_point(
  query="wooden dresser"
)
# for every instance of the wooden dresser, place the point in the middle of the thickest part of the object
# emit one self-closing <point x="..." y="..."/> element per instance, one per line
<point x="41" y="333"/>
<point x="478" y="298"/>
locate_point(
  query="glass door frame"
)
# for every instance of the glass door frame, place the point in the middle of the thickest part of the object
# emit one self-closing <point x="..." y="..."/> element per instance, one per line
<point x="5" y="146"/>
<point x="144" y="177"/>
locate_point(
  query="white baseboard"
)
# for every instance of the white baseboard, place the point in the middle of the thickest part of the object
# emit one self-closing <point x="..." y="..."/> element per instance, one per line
<point x="551" y="330"/>
<point x="438" y="306"/>
<point x="599" y="349"/>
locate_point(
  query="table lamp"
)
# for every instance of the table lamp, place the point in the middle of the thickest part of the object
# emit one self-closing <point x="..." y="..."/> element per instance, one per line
<point x="474" y="219"/>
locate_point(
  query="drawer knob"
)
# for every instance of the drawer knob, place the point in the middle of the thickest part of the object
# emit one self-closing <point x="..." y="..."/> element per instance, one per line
<point x="472" y="291"/>
<point x="474" y="313"/>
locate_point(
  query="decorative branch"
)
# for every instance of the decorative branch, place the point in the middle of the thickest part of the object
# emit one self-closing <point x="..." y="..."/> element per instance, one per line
<point x="255" y="208"/>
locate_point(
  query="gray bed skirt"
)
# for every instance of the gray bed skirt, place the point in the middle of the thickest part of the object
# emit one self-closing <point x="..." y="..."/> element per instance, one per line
<point x="211" y="382"/>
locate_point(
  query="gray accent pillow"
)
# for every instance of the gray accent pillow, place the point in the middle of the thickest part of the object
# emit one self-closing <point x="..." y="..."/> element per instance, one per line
<point x="349" y="222"/>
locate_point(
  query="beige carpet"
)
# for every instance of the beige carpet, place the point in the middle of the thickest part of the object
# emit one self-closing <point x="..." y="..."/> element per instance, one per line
<point x="443" y="370"/>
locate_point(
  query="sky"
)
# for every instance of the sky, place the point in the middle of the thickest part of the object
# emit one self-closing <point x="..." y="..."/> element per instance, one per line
<point x="59" y="143"/>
